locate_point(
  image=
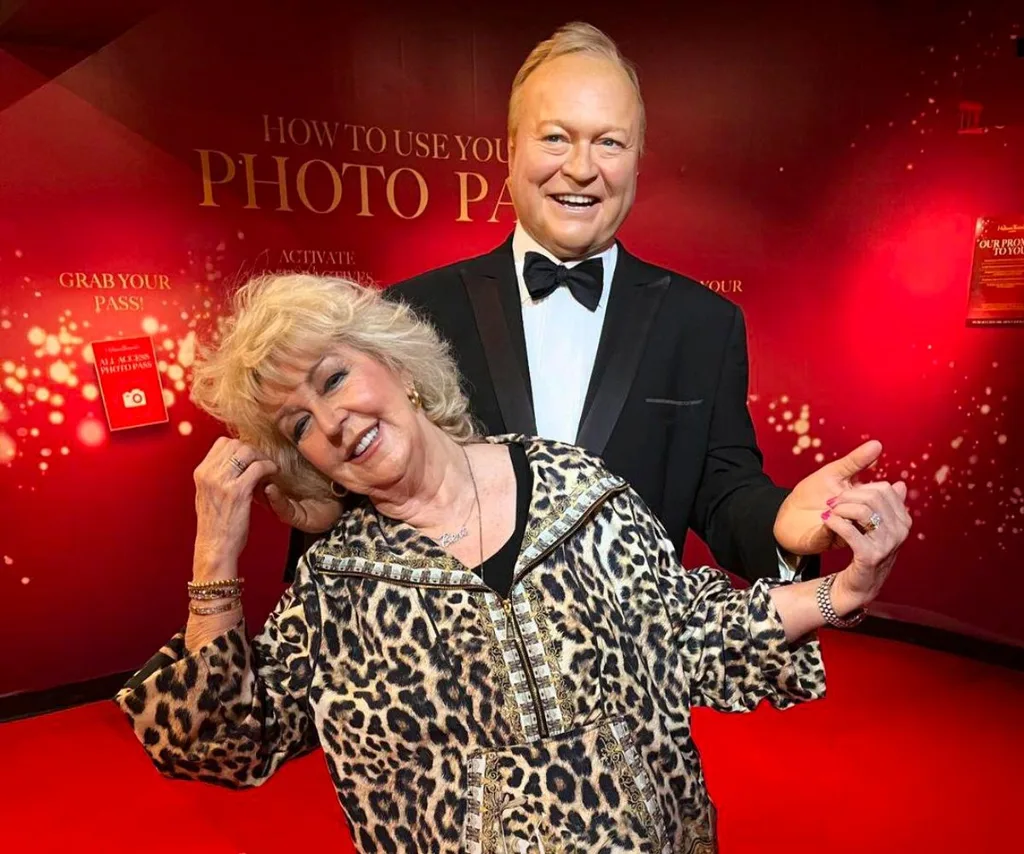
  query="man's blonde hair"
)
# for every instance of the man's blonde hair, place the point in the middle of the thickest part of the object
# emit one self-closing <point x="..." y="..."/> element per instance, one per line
<point x="279" y="321"/>
<point x="576" y="37"/>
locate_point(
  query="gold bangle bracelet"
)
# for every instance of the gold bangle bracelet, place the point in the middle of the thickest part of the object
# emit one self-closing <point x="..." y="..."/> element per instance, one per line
<point x="220" y="593"/>
<point x="214" y="609"/>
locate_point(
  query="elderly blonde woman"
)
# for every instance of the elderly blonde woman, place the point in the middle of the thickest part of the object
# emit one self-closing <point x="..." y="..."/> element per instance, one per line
<point x="495" y="646"/>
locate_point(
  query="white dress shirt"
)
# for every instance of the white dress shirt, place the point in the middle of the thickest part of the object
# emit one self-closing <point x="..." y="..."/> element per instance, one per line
<point x="561" y="343"/>
<point x="561" y="346"/>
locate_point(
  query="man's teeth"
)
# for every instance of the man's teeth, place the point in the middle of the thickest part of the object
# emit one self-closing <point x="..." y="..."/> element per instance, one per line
<point x="366" y="441"/>
<point x="582" y="201"/>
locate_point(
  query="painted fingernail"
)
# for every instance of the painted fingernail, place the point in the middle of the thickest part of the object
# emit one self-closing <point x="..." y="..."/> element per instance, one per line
<point x="826" y="514"/>
<point x="832" y="502"/>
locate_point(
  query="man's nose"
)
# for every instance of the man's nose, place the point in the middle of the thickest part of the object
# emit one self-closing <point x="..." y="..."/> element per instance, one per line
<point x="579" y="165"/>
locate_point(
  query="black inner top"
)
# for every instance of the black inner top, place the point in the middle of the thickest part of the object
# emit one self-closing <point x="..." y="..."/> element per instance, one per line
<point x="498" y="568"/>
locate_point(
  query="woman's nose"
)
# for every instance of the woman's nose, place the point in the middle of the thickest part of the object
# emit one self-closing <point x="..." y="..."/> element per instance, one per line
<point x="330" y="419"/>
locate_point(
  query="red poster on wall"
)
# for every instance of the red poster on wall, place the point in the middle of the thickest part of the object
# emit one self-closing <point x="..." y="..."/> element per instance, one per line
<point x="997" y="274"/>
<point x="129" y="382"/>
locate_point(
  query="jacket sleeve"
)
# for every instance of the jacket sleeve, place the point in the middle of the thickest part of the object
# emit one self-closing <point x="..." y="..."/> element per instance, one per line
<point x="731" y="644"/>
<point x="736" y="502"/>
<point x="233" y="711"/>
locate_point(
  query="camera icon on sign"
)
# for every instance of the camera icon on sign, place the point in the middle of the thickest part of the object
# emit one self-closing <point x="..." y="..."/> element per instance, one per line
<point x="134" y="398"/>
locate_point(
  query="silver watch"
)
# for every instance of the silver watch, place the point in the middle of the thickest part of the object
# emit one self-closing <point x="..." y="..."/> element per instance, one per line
<point x="824" y="600"/>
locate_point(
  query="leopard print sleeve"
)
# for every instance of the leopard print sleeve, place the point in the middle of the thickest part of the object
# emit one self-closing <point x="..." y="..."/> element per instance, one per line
<point x="732" y="642"/>
<point x="233" y="711"/>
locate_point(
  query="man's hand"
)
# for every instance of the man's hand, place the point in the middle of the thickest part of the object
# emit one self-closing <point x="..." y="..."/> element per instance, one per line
<point x="799" y="528"/>
<point x="309" y="515"/>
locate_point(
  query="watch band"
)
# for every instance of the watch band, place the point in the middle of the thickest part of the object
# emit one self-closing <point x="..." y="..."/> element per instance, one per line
<point x="824" y="599"/>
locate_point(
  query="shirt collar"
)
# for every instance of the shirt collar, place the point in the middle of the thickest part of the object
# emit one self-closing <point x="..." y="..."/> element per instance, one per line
<point x="522" y="243"/>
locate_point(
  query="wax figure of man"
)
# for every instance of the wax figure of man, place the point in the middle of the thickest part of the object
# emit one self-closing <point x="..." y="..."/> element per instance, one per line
<point x="560" y="332"/>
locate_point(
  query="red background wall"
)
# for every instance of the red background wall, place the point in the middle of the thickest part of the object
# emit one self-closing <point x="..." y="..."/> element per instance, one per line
<point x="807" y="156"/>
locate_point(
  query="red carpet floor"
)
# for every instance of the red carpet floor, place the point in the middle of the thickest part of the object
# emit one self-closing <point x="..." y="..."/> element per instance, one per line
<point x="913" y="751"/>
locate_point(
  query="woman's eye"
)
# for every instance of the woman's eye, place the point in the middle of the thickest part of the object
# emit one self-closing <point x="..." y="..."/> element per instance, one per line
<point x="333" y="380"/>
<point x="300" y="428"/>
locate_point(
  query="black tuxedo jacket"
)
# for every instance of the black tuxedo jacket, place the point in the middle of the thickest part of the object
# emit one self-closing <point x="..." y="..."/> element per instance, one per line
<point x="666" y="407"/>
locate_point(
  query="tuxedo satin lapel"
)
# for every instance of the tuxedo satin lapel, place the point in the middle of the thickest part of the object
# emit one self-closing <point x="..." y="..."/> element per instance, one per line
<point x="636" y="293"/>
<point x="494" y="294"/>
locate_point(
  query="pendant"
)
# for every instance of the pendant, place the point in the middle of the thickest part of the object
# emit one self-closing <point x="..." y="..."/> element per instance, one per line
<point x="446" y="540"/>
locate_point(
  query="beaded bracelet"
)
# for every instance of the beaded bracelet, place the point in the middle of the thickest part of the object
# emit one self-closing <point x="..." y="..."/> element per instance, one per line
<point x="198" y="586"/>
<point x="223" y="582"/>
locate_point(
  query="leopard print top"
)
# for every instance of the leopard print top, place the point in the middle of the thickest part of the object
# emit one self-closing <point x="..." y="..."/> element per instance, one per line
<point x="557" y="720"/>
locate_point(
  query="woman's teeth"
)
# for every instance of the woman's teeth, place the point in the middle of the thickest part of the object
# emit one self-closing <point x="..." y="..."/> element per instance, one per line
<point x="366" y="441"/>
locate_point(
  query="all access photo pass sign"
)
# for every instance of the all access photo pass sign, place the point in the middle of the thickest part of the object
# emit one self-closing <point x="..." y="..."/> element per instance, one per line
<point x="129" y="382"/>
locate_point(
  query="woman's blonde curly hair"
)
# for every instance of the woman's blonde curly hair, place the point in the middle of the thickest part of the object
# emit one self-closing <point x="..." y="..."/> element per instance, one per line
<point x="279" y="321"/>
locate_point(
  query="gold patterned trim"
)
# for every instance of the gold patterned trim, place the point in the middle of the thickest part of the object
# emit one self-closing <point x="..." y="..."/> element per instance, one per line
<point x="615" y="745"/>
<point x="509" y="664"/>
<point x="547" y="528"/>
<point x="430" y="574"/>
<point x="536" y="629"/>
<point x="472" y="840"/>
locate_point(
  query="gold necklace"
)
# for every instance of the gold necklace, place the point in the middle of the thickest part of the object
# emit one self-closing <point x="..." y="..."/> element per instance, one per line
<point x="449" y="538"/>
<point x="479" y="511"/>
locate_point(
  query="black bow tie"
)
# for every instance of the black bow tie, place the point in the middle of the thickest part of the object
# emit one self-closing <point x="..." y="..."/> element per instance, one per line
<point x="585" y="281"/>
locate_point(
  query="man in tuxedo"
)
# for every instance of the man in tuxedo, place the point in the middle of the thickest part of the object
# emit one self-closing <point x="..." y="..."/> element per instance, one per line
<point x="560" y="332"/>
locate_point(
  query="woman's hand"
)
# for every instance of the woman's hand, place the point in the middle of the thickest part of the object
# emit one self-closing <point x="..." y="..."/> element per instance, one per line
<point x="873" y="521"/>
<point x="225" y="481"/>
